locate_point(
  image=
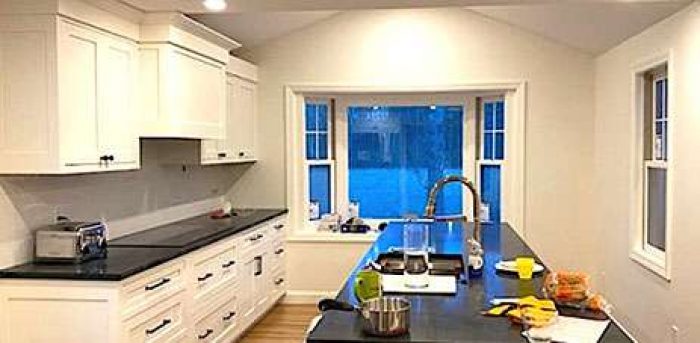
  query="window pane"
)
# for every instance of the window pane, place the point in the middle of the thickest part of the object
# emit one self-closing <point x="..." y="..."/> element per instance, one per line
<point x="656" y="208"/>
<point x="499" y="116"/>
<point x="491" y="191"/>
<point x="311" y="117"/>
<point x="322" y="146"/>
<point x="498" y="146"/>
<point x="659" y="98"/>
<point x="320" y="186"/>
<point x="488" y="116"/>
<point x="311" y="146"/>
<point x="396" y="153"/>
<point x="488" y="146"/>
<point x="322" y="118"/>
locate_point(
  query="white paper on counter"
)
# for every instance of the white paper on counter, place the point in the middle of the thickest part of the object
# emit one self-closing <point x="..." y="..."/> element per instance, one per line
<point x="573" y="330"/>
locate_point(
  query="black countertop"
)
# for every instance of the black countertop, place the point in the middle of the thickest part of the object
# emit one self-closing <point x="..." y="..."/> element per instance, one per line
<point x="134" y="253"/>
<point x="457" y="318"/>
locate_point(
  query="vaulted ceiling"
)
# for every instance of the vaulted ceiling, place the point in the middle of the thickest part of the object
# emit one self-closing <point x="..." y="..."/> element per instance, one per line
<point x="593" y="26"/>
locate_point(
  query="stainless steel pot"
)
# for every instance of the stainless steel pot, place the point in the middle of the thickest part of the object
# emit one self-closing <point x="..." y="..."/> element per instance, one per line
<point x="383" y="316"/>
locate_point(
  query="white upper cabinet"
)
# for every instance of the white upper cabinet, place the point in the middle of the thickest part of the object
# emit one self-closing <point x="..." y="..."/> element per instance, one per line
<point x="239" y="144"/>
<point x="69" y="97"/>
<point x="183" y="78"/>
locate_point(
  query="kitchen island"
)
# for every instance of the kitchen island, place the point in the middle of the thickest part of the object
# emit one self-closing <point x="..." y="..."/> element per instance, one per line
<point x="457" y="318"/>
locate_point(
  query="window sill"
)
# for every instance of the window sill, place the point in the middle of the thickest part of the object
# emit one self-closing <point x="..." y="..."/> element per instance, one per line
<point x="658" y="266"/>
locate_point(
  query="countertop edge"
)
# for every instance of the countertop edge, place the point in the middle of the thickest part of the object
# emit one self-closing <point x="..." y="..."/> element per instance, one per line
<point x="5" y="274"/>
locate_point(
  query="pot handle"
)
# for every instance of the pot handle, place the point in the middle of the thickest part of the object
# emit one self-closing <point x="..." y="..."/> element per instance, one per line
<point x="332" y="304"/>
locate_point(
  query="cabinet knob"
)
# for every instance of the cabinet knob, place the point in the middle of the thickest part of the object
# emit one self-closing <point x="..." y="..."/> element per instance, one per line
<point x="110" y="158"/>
<point x="279" y="281"/>
<point x="241" y="154"/>
<point x="222" y="155"/>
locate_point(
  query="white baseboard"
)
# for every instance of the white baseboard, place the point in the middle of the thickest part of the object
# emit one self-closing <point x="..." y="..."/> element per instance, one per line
<point x="303" y="297"/>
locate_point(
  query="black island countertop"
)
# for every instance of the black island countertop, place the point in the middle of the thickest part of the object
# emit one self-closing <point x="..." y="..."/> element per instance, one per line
<point x="140" y="251"/>
<point x="440" y="318"/>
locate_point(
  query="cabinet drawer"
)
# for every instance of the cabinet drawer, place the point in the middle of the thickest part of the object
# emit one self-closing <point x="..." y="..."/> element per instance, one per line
<point x="150" y="288"/>
<point x="163" y="323"/>
<point x="254" y="241"/>
<point x="279" y="230"/>
<point x="216" y="266"/>
<point x="277" y="259"/>
<point x="218" y="323"/>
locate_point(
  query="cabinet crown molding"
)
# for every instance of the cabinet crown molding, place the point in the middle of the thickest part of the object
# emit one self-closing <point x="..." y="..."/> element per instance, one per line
<point x="185" y="23"/>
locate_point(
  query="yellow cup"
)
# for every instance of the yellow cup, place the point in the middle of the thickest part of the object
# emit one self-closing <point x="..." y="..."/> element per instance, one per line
<point x="525" y="266"/>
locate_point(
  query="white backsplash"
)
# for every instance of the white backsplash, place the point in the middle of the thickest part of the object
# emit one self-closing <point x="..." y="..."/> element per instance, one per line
<point x="171" y="185"/>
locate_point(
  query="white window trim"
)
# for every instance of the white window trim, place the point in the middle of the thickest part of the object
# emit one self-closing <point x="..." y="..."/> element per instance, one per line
<point x="503" y="164"/>
<point x="653" y="259"/>
<point x="516" y="111"/>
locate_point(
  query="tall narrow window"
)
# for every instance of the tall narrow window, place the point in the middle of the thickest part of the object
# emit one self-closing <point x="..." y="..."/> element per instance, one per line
<point x="656" y="163"/>
<point x="651" y="244"/>
<point x="319" y="157"/>
<point x="491" y="154"/>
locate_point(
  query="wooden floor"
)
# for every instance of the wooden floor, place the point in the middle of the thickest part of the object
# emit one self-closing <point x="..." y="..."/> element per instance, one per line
<point x="284" y="324"/>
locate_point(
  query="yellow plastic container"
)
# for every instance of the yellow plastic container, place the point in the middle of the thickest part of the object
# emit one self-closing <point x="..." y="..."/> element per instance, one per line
<point x="525" y="266"/>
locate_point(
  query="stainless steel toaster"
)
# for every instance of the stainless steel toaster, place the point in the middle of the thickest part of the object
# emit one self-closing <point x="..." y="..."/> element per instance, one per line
<point x="71" y="242"/>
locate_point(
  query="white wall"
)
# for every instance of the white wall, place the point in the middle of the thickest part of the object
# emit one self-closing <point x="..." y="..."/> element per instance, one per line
<point x="126" y="198"/>
<point x="442" y="47"/>
<point x="646" y="304"/>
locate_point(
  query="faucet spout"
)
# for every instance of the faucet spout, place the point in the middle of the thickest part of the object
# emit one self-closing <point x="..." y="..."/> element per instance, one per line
<point x="476" y="201"/>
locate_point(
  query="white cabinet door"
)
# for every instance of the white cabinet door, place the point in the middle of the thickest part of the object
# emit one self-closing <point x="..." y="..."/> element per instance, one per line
<point x="239" y="144"/>
<point x="197" y="93"/>
<point x="78" y="50"/>
<point x="247" y="289"/>
<point x="117" y="135"/>
<point x="97" y="97"/>
<point x="244" y="113"/>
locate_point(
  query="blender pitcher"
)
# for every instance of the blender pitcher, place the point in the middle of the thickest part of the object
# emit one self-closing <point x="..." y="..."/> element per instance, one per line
<point x="416" y="243"/>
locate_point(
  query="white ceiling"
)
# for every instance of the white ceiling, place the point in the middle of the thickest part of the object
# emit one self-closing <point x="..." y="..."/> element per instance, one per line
<point x="254" y="28"/>
<point x="593" y="26"/>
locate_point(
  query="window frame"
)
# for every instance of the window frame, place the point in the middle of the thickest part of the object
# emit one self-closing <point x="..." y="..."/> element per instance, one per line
<point x="516" y="95"/>
<point x="646" y="255"/>
<point x="345" y="101"/>
<point x="330" y="156"/>
<point x="480" y="160"/>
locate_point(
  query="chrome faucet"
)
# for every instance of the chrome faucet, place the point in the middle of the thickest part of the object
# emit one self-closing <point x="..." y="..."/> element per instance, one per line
<point x="475" y="250"/>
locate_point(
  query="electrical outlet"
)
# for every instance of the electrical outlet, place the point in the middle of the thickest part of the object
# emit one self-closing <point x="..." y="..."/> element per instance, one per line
<point x="675" y="333"/>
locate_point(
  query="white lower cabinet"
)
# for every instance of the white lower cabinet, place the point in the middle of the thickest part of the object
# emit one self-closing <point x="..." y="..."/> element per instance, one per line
<point x="211" y="295"/>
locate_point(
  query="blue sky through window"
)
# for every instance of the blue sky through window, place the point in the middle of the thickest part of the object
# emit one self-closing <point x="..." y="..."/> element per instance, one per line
<point x="396" y="153"/>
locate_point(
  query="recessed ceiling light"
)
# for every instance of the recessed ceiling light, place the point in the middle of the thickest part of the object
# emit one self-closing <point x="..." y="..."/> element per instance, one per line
<point x="215" y="5"/>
